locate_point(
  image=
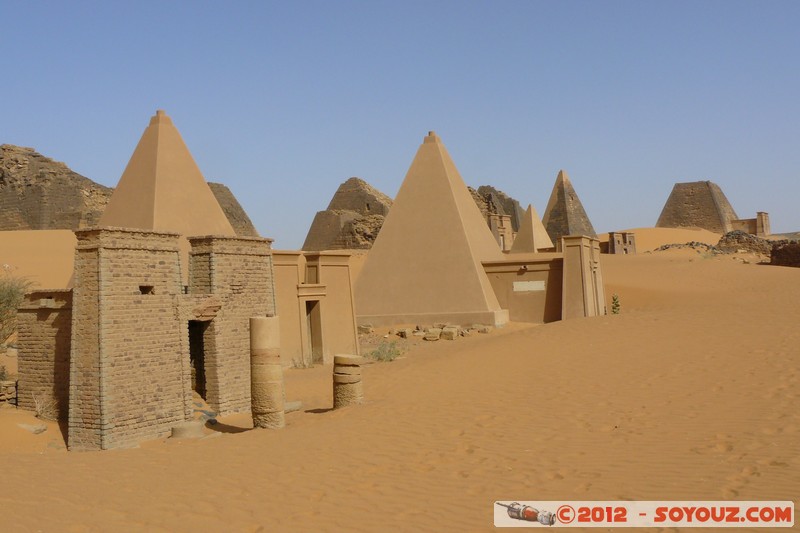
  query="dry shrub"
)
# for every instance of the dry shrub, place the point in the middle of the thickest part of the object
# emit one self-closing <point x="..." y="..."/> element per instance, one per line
<point x="45" y="408"/>
<point x="12" y="291"/>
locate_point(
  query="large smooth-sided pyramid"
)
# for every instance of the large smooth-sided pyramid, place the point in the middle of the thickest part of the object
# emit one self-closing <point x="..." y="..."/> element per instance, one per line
<point x="425" y="265"/>
<point x="565" y="214"/>
<point x="532" y="236"/>
<point x="163" y="189"/>
<point x="698" y="204"/>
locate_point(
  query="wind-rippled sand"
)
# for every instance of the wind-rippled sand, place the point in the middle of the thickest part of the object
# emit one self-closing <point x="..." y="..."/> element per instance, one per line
<point x="691" y="393"/>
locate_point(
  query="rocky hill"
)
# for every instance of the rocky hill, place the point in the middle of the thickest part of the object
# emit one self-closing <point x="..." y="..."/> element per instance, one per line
<point x="39" y="193"/>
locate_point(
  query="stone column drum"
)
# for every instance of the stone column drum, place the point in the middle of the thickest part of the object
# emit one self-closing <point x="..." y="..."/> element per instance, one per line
<point x="266" y="373"/>
<point x="347" y="389"/>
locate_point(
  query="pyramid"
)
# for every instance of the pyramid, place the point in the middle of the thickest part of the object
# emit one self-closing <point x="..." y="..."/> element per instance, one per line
<point x="532" y="236"/>
<point x="565" y="214"/>
<point x="425" y="266"/>
<point x="162" y="188"/>
<point x="697" y="204"/>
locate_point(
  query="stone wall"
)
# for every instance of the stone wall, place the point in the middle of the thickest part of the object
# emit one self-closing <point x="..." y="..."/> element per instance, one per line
<point x="8" y="391"/>
<point x="85" y="424"/>
<point x="44" y="331"/>
<point x="786" y="254"/>
<point x="113" y="355"/>
<point x="238" y="272"/>
<point x="698" y="204"/>
<point x="129" y="373"/>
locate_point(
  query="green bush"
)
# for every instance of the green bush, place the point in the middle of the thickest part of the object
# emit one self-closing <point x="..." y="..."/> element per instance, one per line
<point x="615" y="306"/>
<point x="12" y="290"/>
<point x="386" y="351"/>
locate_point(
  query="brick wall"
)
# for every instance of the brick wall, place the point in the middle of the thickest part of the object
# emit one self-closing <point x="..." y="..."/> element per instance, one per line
<point x="85" y="425"/>
<point x="115" y="350"/>
<point x="129" y="369"/>
<point x="786" y="254"/>
<point x="44" y="326"/>
<point x="238" y="272"/>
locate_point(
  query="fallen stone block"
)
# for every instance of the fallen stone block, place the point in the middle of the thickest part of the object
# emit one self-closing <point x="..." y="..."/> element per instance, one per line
<point x="450" y="333"/>
<point x="192" y="429"/>
<point x="405" y="333"/>
<point x="433" y="334"/>
<point x="365" y="328"/>
<point x="35" y="429"/>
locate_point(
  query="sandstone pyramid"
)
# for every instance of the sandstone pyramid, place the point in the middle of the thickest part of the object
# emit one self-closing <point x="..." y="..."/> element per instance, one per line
<point x="532" y="236"/>
<point x="425" y="266"/>
<point x="565" y="214"/>
<point x="233" y="210"/>
<point x="697" y="204"/>
<point x="163" y="189"/>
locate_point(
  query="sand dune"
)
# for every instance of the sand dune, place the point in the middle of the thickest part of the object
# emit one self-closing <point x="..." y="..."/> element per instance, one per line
<point x="690" y="393"/>
<point x="43" y="256"/>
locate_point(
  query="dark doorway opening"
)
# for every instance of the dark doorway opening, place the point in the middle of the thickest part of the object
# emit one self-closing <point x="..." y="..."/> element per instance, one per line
<point x="197" y="355"/>
<point x="314" y="320"/>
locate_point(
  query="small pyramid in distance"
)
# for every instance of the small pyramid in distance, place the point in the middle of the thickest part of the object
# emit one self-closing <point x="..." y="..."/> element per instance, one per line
<point x="565" y="214"/>
<point x="162" y="188"/>
<point x="425" y="265"/>
<point x="532" y="236"/>
<point x="697" y="204"/>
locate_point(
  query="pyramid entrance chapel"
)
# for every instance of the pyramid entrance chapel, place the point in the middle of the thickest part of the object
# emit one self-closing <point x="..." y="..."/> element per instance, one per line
<point x="163" y="293"/>
<point x="436" y="261"/>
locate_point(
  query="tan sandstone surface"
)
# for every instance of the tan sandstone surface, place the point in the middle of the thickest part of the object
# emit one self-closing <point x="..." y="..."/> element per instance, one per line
<point x="691" y="393"/>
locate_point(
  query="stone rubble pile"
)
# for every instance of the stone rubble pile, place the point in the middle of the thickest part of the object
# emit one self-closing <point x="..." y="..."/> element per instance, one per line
<point x="8" y="392"/>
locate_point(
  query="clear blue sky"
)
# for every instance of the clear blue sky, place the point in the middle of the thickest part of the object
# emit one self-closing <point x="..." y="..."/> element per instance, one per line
<point x="282" y="101"/>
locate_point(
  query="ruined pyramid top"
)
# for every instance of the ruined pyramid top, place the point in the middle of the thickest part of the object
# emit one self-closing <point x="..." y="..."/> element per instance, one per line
<point x="697" y="204"/>
<point x="565" y="214"/>
<point x="425" y="264"/>
<point x="162" y="188"/>
<point x="508" y="205"/>
<point x="532" y="236"/>
<point x="359" y="196"/>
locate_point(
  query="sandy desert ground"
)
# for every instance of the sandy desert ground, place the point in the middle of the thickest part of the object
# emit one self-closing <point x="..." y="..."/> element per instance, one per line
<point x="691" y="393"/>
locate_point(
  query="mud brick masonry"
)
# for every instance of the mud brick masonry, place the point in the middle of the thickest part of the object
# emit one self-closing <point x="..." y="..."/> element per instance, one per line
<point x="137" y="341"/>
<point x="44" y="321"/>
